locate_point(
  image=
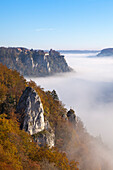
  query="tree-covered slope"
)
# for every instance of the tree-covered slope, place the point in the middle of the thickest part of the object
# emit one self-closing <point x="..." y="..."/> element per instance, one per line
<point x="17" y="148"/>
<point x="74" y="147"/>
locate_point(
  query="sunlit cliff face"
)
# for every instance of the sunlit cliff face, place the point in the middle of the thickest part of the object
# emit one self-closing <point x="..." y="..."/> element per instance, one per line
<point x="88" y="90"/>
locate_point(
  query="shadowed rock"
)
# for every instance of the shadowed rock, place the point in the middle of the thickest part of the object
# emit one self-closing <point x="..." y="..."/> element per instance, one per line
<point x="71" y="116"/>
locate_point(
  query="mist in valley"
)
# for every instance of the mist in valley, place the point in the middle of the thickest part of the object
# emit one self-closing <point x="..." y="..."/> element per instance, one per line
<point x="89" y="91"/>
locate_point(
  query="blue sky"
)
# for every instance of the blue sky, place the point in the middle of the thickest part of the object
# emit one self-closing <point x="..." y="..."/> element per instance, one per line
<point x="57" y="24"/>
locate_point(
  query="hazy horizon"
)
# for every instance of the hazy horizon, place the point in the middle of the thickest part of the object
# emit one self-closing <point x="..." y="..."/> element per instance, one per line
<point x="95" y="50"/>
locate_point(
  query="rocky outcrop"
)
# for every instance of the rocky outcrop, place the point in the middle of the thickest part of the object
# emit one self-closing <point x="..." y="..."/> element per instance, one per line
<point x="106" y="52"/>
<point x="54" y="95"/>
<point x="33" y="62"/>
<point x="45" y="137"/>
<point x="32" y="118"/>
<point x="30" y="105"/>
<point x="71" y="117"/>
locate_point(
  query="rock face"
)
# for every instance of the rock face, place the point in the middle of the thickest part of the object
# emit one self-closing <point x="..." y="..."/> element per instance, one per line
<point x="33" y="62"/>
<point x="72" y="117"/>
<point x="31" y="105"/>
<point x="32" y="118"/>
<point x="46" y="137"/>
<point x="106" y="52"/>
<point x="54" y="95"/>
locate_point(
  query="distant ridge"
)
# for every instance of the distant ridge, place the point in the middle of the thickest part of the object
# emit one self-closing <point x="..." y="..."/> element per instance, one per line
<point x="34" y="63"/>
<point x="106" y="52"/>
<point x="79" y="51"/>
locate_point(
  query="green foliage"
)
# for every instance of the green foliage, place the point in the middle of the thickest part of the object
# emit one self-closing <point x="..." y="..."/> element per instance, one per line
<point x="11" y="86"/>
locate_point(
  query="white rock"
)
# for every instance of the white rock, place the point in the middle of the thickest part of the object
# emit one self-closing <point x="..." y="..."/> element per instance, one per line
<point x="32" y="118"/>
<point x="33" y="111"/>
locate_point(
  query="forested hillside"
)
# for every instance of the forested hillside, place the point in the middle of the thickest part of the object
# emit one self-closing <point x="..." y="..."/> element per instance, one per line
<point x="17" y="149"/>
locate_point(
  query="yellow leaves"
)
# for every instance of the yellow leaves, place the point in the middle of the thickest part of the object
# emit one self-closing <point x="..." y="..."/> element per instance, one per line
<point x="15" y="145"/>
<point x="11" y="87"/>
<point x="17" y="149"/>
<point x="6" y="127"/>
<point x="74" y="165"/>
<point x="10" y="147"/>
<point x="54" y="156"/>
<point x="8" y="157"/>
<point x="3" y="91"/>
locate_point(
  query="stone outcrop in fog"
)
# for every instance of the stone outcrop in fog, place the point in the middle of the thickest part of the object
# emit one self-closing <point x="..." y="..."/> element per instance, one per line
<point x="32" y="118"/>
<point x="72" y="116"/>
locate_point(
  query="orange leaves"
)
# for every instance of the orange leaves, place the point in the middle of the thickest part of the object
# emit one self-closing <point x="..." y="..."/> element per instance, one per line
<point x="15" y="145"/>
<point x="17" y="149"/>
<point x="54" y="156"/>
<point x="3" y="92"/>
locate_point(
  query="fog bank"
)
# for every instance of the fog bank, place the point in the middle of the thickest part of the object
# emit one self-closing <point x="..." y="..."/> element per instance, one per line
<point x="88" y="90"/>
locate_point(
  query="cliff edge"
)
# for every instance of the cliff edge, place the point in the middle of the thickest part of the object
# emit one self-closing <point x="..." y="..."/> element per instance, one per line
<point x="35" y="63"/>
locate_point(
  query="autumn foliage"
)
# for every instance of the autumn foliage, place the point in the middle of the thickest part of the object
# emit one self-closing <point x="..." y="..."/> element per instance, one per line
<point x="74" y="146"/>
<point x="11" y="88"/>
<point x="17" y="148"/>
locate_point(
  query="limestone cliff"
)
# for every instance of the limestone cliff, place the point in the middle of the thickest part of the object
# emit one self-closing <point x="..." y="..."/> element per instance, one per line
<point x="32" y="118"/>
<point x="33" y="62"/>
